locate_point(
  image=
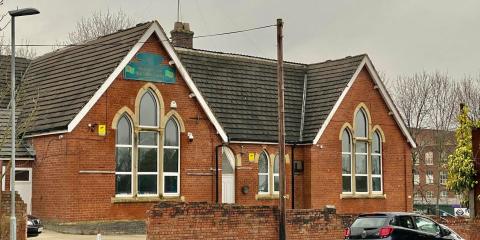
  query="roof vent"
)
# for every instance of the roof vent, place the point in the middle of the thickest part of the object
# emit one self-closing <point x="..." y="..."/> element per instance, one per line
<point x="181" y="35"/>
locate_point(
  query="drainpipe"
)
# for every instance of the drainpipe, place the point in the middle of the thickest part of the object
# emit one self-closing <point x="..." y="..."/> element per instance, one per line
<point x="216" y="172"/>
<point x="292" y="165"/>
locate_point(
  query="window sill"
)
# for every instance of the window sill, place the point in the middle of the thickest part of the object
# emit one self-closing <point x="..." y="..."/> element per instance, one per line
<point x="367" y="196"/>
<point x="266" y="196"/>
<point x="147" y="199"/>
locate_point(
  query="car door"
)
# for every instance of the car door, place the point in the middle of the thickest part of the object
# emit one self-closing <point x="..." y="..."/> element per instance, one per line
<point x="405" y="228"/>
<point x="427" y="228"/>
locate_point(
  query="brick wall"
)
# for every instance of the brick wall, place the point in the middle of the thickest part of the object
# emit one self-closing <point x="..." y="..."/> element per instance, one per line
<point x="325" y="166"/>
<point x="21" y="215"/>
<point x="169" y="220"/>
<point x="64" y="192"/>
<point x="467" y="228"/>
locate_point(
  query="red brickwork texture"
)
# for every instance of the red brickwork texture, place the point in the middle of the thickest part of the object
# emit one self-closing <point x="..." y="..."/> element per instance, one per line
<point x="323" y="178"/>
<point x="62" y="193"/>
<point x="467" y="228"/>
<point x="21" y="215"/>
<point x="169" y="220"/>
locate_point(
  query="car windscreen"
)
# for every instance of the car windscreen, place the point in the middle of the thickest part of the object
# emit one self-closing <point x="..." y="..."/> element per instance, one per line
<point x="370" y="222"/>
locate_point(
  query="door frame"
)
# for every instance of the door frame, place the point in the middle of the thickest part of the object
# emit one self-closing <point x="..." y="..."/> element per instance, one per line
<point x="30" y="170"/>
<point x="231" y="160"/>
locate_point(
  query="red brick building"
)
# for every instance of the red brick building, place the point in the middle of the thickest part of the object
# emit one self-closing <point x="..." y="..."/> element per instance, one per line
<point x="127" y="120"/>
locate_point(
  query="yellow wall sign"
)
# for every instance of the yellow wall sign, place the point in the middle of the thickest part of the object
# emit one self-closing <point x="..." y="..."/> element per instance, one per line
<point x="251" y="157"/>
<point x="102" y="130"/>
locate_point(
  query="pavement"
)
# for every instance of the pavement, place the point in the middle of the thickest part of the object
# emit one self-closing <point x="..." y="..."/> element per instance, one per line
<point x="51" y="235"/>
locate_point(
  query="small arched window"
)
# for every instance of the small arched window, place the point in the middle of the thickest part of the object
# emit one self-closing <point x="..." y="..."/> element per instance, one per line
<point x="276" y="178"/>
<point x="361" y="124"/>
<point x="263" y="173"/>
<point x="376" y="162"/>
<point x="171" y="158"/>
<point x="346" y="161"/>
<point x="123" y="156"/>
<point x="148" y="110"/>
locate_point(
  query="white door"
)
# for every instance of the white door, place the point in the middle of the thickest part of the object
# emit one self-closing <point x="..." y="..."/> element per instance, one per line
<point x="228" y="176"/>
<point x="23" y="185"/>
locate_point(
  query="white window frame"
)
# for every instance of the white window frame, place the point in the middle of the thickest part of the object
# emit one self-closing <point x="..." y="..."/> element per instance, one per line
<point x="381" y="163"/>
<point x="264" y="174"/>
<point x="443" y="194"/>
<point x="429" y="158"/>
<point x="275" y="175"/>
<point x="156" y="146"/>
<point x="368" y="165"/>
<point x="157" y="109"/>
<point x="350" y="142"/>
<point x="416" y="178"/>
<point x="429" y="177"/>
<point x="443" y="178"/>
<point x="131" y="146"/>
<point x="429" y="194"/>
<point x="172" y="174"/>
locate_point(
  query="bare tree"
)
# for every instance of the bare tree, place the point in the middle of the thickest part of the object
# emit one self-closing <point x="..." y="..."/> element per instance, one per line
<point x="99" y="24"/>
<point x="428" y="101"/>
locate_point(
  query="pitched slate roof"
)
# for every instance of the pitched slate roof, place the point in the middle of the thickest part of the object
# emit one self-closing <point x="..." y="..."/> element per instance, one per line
<point x="325" y="83"/>
<point x="242" y="92"/>
<point x="21" y="65"/>
<point x="22" y="150"/>
<point x="66" y="79"/>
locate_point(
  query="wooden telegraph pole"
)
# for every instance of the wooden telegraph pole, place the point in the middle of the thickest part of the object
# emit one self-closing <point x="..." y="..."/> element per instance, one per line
<point x="281" y="129"/>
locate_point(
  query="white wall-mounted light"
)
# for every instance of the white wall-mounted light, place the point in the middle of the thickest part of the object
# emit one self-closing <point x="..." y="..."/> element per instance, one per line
<point x="190" y="136"/>
<point x="173" y="104"/>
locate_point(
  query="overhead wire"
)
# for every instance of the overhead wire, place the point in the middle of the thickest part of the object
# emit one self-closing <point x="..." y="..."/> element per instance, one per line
<point x="128" y="43"/>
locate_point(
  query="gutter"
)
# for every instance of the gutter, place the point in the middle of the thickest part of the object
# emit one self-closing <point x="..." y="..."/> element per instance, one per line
<point x="216" y="172"/>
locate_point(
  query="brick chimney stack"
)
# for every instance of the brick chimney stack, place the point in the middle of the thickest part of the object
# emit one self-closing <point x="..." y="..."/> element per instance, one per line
<point x="181" y="35"/>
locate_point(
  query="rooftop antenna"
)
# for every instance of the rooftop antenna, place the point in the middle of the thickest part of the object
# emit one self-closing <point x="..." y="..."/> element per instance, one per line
<point x="178" y="10"/>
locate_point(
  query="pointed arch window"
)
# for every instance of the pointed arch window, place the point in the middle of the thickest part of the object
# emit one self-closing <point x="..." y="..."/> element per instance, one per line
<point x="346" y="162"/>
<point x="362" y="156"/>
<point x="263" y="173"/>
<point x="123" y="156"/>
<point x="148" y="114"/>
<point x="276" y="178"/>
<point x="147" y="149"/>
<point x="148" y="145"/>
<point x="171" y="158"/>
<point x="376" y="159"/>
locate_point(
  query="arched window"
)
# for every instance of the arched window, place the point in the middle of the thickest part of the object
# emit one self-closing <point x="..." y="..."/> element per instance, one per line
<point x="123" y="156"/>
<point x="361" y="124"/>
<point x="171" y="158"/>
<point x="148" y="114"/>
<point x="346" y="161"/>
<point x="361" y="152"/>
<point x="148" y="145"/>
<point x="263" y="173"/>
<point x="376" y="162"/>
<point x="276" y="178"/>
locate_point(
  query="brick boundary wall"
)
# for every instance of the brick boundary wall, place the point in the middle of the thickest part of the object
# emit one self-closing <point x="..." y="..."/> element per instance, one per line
<point x="21" y="214"/>
<point x="176" y="220"/>
<point x="467" y="228"/>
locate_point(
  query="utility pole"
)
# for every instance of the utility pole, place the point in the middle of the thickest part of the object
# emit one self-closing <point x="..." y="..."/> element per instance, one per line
<point x="281" y="130"/>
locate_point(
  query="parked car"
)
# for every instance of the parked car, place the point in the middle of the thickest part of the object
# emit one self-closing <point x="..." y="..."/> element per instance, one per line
<point x="34" y="226"/>
<point x="397" y="226"/>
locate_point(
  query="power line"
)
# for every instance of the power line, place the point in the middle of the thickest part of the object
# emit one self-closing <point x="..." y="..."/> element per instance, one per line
<point x="128" y="43"/>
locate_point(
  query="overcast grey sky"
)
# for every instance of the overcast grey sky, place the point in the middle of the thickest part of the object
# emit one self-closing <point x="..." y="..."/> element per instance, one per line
<point x="401" y="36"/>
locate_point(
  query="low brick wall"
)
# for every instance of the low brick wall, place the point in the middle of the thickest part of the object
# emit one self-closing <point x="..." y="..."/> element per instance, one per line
<point x="21" y="215"/>
<point x="467" y="228"/>
<point x="174" y="220"/>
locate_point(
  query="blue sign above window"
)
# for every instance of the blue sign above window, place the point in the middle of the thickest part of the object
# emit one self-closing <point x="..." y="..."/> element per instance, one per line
<point x="149" y="67"/>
